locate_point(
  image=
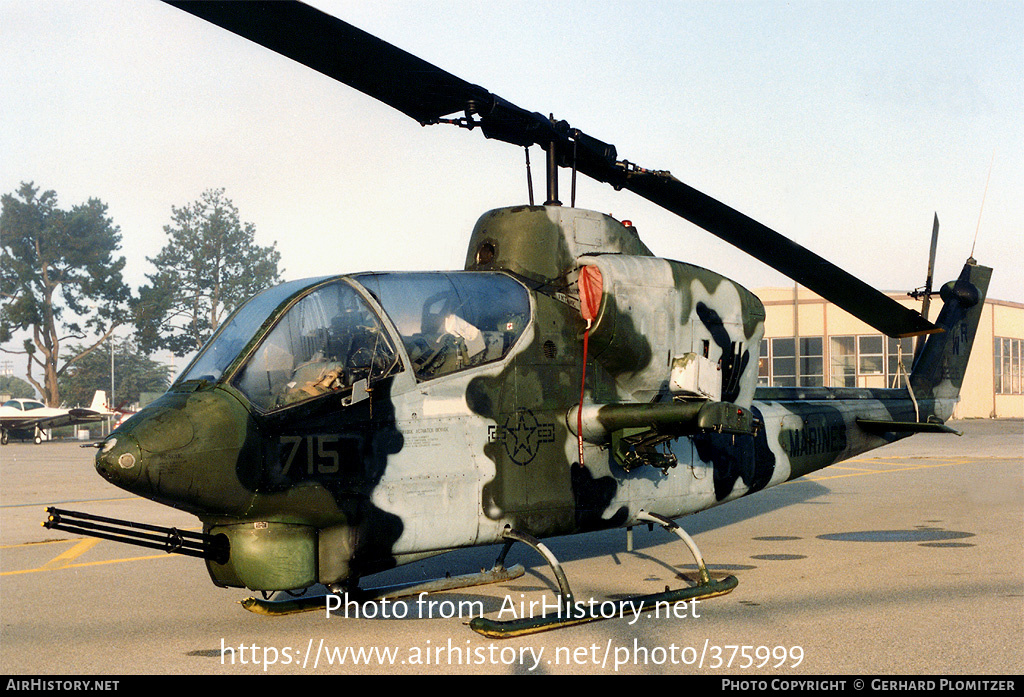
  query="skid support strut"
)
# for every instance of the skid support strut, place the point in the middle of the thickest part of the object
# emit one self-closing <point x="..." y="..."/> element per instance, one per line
<point x="510" y="535"/>
<point x="571" y="613"/>
<point x="671" y="526"/>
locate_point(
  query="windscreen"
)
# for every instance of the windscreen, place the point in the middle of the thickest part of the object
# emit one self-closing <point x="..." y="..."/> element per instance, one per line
<point x="452" y="321"/>
<point x="220" y="351"/>
<point x="327" y="343"/>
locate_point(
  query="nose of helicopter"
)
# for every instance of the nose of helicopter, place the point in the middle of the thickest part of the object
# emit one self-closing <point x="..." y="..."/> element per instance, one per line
<point x="183" y="450"/>
<point x="132" y="457"/>
<point x="120" y="460"/>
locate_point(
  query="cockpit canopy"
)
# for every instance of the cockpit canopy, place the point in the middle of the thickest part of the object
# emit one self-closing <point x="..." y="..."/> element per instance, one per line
<point x="305" y="339"/>
<point x="327" y="341"/>
<point x="23" y="404"/>
<point x="451" y="321"/>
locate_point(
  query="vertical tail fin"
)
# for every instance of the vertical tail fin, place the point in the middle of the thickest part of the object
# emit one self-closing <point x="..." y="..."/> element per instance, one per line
<point x="939" y="370"/>
<point x="99" y="401"/>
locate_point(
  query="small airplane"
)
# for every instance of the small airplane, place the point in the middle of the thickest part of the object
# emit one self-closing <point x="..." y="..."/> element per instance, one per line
<point x="28" y="418"/>
<point x="566" y="381"/>
<point x="122" y="415"/>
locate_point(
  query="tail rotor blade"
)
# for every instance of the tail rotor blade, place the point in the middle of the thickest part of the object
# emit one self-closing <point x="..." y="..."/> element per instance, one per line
<point x="931" y="268"/>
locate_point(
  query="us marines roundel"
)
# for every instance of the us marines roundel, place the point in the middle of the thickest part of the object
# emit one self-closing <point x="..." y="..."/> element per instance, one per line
<point x="522" y="435"/>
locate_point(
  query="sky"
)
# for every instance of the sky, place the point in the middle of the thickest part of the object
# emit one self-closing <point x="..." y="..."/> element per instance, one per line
<point x="844" y="125"/>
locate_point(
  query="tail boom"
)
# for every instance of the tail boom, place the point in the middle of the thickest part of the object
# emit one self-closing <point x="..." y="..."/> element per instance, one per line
<point x="812" y="428"/>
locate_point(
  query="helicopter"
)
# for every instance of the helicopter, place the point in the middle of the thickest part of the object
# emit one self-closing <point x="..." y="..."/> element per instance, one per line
<point x="565" y="381"/>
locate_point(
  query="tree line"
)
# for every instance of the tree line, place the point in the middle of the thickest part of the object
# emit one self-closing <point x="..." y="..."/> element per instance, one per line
<point x="63" y="294"/>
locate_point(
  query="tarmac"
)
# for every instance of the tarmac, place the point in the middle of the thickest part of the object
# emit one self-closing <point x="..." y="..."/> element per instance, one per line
<point x="904" y="561"/>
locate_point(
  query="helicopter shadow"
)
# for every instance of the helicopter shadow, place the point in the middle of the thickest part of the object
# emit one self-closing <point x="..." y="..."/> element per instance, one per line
<point x="610" y="544"/>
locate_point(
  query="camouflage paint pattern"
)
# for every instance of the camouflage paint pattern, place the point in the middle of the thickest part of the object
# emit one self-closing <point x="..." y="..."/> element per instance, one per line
<point x="334" y="488"/>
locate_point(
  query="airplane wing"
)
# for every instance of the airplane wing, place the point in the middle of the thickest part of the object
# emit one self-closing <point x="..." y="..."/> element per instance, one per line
<point x="68" y="417"/>
<point x="32" y="415"/>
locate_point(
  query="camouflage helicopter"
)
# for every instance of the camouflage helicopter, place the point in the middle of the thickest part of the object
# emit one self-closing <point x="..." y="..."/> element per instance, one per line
<point x="566" y="381"/>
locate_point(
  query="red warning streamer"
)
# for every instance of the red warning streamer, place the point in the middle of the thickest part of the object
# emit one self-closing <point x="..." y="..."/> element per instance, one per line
<point x="591" y="288"/>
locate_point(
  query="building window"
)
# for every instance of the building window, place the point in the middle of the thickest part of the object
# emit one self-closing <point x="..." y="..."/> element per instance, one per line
<point x="870" y="360"/>
<point x="778" y="363"/>
<point x="784" y="362"/>
<point x="899" y="351"/>
<point x="843" y="361"/>
<point x="862" y="360"/>
<point x="764" y="373"/>
<point x="1006" y="365"/>
<point x="812" y="361"/>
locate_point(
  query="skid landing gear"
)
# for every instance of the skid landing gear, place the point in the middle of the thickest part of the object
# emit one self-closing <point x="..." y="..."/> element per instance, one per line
<point x="570" y="612"/>
<point x="284" y="604"/>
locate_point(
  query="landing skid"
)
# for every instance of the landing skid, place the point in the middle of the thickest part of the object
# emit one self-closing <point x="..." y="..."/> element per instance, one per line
<point x="283" y="604"/>
<point x="570" y="612"/>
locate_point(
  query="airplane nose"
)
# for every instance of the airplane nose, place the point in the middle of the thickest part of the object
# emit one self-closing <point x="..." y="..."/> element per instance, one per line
<point x="120" y="460"/>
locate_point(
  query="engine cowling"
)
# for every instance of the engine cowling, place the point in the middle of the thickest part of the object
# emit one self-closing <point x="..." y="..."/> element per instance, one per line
<point x="667" y="329"/>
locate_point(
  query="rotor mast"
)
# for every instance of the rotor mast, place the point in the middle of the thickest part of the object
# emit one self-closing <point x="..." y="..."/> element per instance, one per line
<point x="552" y="174"/>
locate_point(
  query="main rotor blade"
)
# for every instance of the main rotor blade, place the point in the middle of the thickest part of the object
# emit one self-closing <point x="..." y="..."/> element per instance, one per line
<point x="426" y="93"/>
<point x="347" y="54"/>
<point x="782" y="254"/>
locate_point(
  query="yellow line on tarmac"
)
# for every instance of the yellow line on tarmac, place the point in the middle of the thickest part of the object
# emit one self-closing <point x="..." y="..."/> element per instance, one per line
<point x="32" y="544"/>
<point x="72" y="501"/>
<point x="64" y="559"/>
<point x="45" y="567"/>
<point x="903" y="468"/>
<point x="67" y="556"/>
<point x="854" y="469"/>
